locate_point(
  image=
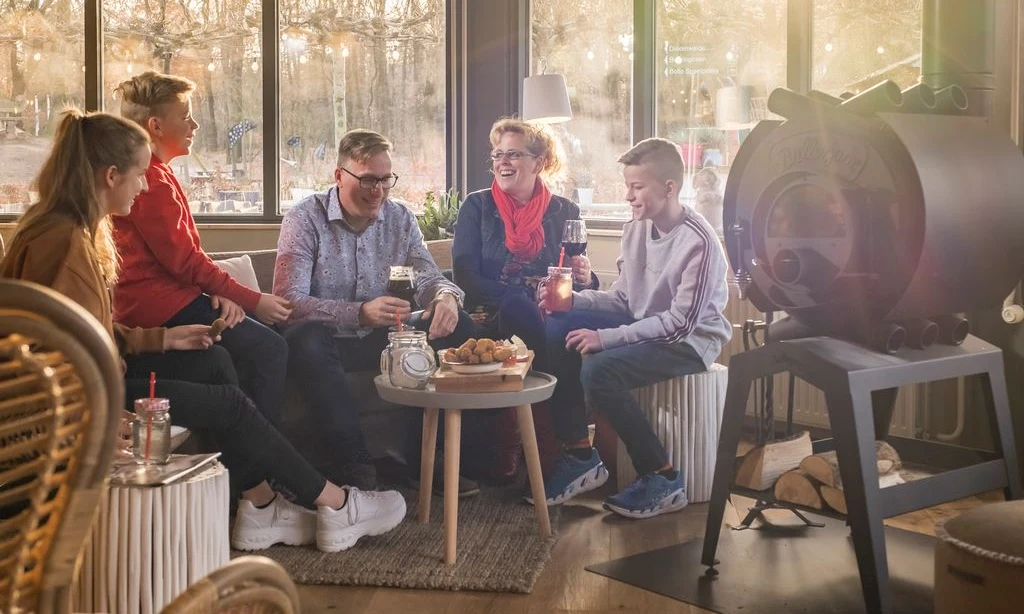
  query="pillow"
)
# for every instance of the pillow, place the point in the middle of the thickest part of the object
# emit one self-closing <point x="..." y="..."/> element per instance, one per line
<point x="240" y="268"/>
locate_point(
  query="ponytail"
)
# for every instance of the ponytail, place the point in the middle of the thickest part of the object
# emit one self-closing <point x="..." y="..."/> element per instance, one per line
<point x="83" y="144"/>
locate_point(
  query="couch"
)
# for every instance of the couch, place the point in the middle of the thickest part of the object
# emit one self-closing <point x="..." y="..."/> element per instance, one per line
<point x="386" y="426"/>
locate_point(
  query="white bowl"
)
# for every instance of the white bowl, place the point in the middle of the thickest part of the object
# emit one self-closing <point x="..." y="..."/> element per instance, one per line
<point x="477" y="369"/>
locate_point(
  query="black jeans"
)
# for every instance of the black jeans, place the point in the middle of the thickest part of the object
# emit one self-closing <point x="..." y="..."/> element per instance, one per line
<point x="606" y="380"/>
<point x="202" y="387"/>
<point x="319" y="361"/>
<point x="260" y="355"/>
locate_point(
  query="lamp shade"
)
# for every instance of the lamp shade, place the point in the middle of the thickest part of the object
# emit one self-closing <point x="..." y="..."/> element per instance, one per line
<point x="546" y="99"/>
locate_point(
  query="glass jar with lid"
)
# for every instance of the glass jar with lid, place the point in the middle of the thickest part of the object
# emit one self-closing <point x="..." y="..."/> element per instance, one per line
<point x="151" y="431"/>
<point x="408" y="360"/>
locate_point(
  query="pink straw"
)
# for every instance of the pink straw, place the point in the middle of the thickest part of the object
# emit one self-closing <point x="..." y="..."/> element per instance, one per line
<point x="561" y="257"/>
<point x="398" y="321"/>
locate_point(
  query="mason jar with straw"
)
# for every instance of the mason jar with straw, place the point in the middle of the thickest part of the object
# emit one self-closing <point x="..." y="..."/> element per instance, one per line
<point x="151" y="428"/>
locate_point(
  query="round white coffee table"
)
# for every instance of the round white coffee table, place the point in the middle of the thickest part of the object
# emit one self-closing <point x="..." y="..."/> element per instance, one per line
<point x="536" y="388"/>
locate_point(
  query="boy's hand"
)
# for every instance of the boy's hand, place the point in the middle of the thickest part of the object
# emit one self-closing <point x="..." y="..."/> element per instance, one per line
<point x="584" y="341"/>
<point x="230" y="311"/>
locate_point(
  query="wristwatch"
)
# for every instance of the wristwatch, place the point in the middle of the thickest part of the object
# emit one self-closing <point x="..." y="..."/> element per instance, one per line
<point x="450" y="292"/>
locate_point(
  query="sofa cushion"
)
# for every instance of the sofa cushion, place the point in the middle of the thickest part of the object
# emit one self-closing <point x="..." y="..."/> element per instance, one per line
<point x="262" y="264"/>
<point x="240" y="269"/>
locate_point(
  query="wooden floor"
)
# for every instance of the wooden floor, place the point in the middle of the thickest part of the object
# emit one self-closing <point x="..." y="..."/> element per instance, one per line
<point x="588" y="535"/>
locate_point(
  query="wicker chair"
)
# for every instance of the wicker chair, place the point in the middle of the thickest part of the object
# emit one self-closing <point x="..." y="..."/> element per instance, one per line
<point x="248" y="584"/>
<point x="59" y="377"/>
<point x="61" y="390"/>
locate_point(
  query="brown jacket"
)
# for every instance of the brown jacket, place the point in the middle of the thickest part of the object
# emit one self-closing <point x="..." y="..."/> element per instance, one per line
<point x="56" y="253"/>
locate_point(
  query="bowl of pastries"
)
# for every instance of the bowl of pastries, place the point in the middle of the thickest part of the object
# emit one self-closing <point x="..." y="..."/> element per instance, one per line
<point x="477" y="356"/>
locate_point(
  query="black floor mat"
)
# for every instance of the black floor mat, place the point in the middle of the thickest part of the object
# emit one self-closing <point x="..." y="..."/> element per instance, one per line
<point x="788" y="571"/>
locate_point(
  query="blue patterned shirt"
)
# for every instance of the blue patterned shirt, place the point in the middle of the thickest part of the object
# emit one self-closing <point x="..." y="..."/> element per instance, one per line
<point x="328" y="270"/>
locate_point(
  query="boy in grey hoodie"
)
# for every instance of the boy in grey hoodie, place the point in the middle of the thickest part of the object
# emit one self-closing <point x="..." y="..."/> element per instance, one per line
<point x="662" y="318"/>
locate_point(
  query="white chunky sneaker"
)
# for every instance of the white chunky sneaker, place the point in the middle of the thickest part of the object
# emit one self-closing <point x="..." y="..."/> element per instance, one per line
<point x="281" y="522"/>
<point x="364" y="513"/>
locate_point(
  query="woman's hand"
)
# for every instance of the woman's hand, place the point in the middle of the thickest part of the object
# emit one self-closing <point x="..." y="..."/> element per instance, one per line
<point x="272" y="309"/>
<point x="230" y="311"/>
<point x="581" y="271"/>
<point x="188" y="337"/>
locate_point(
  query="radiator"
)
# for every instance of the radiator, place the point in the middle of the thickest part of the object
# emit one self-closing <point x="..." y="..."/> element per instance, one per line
<point x="809" y="408"/>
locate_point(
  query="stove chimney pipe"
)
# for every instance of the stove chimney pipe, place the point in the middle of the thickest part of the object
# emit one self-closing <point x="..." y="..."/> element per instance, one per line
<point x="958" y="48"/>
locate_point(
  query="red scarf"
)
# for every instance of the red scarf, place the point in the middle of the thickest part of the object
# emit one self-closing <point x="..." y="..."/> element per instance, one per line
<point x="524" y="234"/>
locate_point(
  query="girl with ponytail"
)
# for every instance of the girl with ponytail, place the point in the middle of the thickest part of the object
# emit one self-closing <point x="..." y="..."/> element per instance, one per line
<point x="96" y="169"/>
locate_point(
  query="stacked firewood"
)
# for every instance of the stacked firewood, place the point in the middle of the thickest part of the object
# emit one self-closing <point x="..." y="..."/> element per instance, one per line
<point x="816" y="483"/>
<point x="807" y="479"/>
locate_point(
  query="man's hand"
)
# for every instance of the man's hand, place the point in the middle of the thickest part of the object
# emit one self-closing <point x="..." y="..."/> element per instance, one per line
<point x="383" y="311"/>
<point x="581" y="270"/>
<point x="272" y="309"/>
<point x="230" y="311"/>
<point x="444" y="315"/>
<point x="188" y="337"/>
<point x="584" y="341"/>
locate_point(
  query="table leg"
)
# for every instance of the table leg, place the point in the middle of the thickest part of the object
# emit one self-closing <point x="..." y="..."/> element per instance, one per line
<point x="452" y="444"/>
<point x="529" y="436"/>
<point x="429" y="445"/>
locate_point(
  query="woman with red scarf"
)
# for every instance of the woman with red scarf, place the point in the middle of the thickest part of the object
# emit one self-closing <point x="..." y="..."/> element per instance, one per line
<point x="507" y="236"/>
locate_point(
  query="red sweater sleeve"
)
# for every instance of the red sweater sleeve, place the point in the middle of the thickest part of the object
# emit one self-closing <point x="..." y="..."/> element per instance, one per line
<point x="162" y="219"/>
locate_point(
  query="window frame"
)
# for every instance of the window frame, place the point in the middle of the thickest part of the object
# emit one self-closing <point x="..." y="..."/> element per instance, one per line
<point x="461" y="127"/>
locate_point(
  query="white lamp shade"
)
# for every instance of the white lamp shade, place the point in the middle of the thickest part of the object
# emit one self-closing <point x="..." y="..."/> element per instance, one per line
<point x="546" y="99"/>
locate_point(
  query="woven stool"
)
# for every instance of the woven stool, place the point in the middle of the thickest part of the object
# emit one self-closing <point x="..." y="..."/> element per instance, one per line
<point x="686" y="413"/>
<point x="979" y="561"/>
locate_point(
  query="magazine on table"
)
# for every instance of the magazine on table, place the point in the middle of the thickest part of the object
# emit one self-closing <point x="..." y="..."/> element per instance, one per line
<point x="126" y="472"/>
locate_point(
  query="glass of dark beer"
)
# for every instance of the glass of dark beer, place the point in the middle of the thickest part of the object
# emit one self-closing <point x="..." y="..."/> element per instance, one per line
<point x="400" y="283"/>
<point x="574" y="238"/>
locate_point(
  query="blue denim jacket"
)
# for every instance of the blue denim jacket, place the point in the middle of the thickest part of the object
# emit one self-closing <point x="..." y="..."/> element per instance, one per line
<point x="483" y="266"/>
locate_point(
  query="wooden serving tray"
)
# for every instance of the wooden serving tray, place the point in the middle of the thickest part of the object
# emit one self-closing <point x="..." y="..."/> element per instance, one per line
<point x="506" y="379"/>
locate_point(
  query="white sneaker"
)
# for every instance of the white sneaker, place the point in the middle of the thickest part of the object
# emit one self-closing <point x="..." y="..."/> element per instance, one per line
<point x="364" y="513"/>
<point x="281" y="522"/>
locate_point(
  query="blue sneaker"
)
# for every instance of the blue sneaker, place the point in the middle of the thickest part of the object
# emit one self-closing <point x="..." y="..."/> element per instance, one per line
<point x="572" y="476"/>
<point x="648" y="496"/>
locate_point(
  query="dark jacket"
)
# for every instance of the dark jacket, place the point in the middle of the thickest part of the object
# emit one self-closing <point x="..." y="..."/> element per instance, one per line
<point x="483" y="266"/>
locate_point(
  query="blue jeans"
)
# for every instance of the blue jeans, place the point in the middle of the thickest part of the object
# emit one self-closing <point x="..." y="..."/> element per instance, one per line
<point x="319" y="362"/>
<point x="259" y="353"/>
<point x="606" y="380"/>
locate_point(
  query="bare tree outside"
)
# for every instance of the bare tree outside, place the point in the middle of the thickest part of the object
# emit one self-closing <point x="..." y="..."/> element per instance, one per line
<point x="376" y="64"/>
<point x="41" y="72"/>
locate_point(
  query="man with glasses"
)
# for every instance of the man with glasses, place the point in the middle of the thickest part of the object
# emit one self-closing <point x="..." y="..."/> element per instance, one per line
<point x="333" y="260"/>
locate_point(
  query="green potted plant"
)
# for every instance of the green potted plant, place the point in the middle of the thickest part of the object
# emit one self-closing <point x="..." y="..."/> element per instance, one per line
<point x="437" y="223"/>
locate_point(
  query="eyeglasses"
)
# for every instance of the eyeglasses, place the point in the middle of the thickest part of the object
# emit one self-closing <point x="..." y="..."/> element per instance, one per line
<point x="369" y="183"/>
<point x="512" y="155"/>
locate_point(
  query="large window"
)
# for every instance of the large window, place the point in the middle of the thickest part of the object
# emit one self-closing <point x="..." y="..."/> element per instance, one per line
<point x="216" y="45"/>
<point x="858" y="43"/>
<point x="371" y="64"/>
<point x="717" y="61"/>
<point x="591" y="43"/>
<point x="40" y="73"/>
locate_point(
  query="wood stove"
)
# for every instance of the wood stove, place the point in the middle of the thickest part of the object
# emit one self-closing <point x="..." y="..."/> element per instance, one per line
<point x="878" y="217"/>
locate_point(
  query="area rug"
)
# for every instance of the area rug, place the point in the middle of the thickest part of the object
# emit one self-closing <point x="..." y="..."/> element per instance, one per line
<point x="499" y="550"/>
<point x="811" y="571"/>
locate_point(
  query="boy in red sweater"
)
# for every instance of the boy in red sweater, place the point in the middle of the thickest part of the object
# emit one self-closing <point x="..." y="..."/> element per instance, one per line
<point x="166" y="277"/>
